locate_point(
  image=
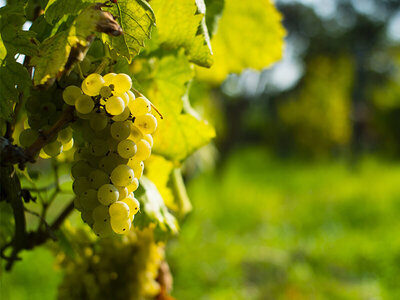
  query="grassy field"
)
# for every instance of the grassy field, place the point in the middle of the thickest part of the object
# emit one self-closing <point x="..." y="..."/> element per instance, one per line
<point x="263" y="228"/>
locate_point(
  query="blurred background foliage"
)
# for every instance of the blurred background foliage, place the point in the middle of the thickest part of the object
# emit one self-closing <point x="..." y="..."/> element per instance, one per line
<point x="299" y="196"/>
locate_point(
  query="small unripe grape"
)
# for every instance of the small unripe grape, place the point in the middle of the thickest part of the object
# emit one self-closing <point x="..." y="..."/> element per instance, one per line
<point x="27" y="137"/>
<point x="120" y="226"/>
<point x="80" y="185"/>
<point x="143" y="150"/>
<point x="107" y="164"/>
<point x="53" y="149"/>
<point x="93" y="83"/>
<point x="119" y="210"/>
<point x="87" y="217"/>
<point x="139" y="106"/>
<point x="71" y="93"/>
<point x="115" y="105"/>
<point x="131" y="96"/>
<point x="77" y="204"/>
<point x="105" y="91"/>
<point x="146" y="123"/>
<point x="98" y="121"/>
<point x="122" y="83"/>
<point x="126" y="148"/>
<point x="107" y="194"/>
<point x="88" y="199"/>
<point x="122" y="175"/>
<point x="120" y="130"/>
<point x="84" y="104"/>
<point x="65" y="135"/>
<point x="81" y="169"/>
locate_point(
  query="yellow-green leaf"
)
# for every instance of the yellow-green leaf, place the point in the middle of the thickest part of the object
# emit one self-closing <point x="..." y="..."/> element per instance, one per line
<point x="250" y="35"/>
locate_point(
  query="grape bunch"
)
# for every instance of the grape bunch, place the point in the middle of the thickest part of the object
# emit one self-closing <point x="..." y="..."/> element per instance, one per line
<point x="116" y="127"/>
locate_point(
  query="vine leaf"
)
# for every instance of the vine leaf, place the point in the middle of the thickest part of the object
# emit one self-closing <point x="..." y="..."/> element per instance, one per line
<point x="136" y="19"/>
<point x="12" y="74"/>
<point x="181" y="23"/>
<point x="256" y="27"/>
<point x="179" y="134"/>
<point x="154" y="210"/>
<point x="57" y="9"/>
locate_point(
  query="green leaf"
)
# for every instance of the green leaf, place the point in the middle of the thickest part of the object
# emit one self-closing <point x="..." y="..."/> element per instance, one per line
<point x="213" y="14"/>
<point x="55" y="51"/>
<point x="181" y="23"/>
<point x="250" y="35"/>
<point x="14" y="79"/>
<point x="153" y="209"/>
<point x="178" y="135"/>
<point x="56" y="9"/>
<point x="136" y="19"/>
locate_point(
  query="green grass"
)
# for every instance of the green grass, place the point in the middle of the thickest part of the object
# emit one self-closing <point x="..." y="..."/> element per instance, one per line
<point x="269" y="229"/>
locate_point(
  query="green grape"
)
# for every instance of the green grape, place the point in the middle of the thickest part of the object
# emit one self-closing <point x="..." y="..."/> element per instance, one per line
<point x="47" y="109"/>
<point x="80" y="185"/>
<point x="133" y="204"/>
<point x="119" y="210"/>
<point x="112" y="144"/>
<point x="84" y="116"/>
<point x="122" y="117"/>
<point x="125" y="98"/>
<point x="27" y="137"/>
<point x="146" y="123"/>
<point x="133" y="186"/>
<point x="115" y="105"/>
<point x="102" y="229"/>
<point x="53" y="149"/>
<point x="100" y="214"/>
<point x="65" y="135"/>
<point x="88" y="199"/>
<point x="122" y="175"/>
<point x="43" y="155"/>
<point x="68" y="146"/>
<point x="93" y="83"/>
<point x="105" y="91"/>
<point x="87" y="217"/>
<point x="81" y="169"/>
<point x="139" y="107"/>
<point x="126" y="148"/>
<point x="136" y="135"/>
<point x="99" y="149"/>
<point x="120" y="130"/>
<point x="143" y="150"/>
<point x="77" y="204"/>
<point x="122" y="83"/>
<point x="98" y="178"/>
<point x="131" y="96"/>
<point x="148" y="138"/>
<point x="84" y="104"/>
<point x="108" y="78"/>
<point x="70" y="94"/>
<point x="137" y="167"/>
<point x="107" y="194"/>
<point x="107" y="164"/>
<point x="123" y="192"/>
<point x="98" y="121"/>
<point x="120" y="226"/>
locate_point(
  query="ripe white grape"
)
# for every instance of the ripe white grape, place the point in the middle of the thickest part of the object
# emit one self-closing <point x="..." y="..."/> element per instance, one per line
<point x="120" y="130"/>
<point x="98" y="121"/>
<point x="108" y="78"/>
<point x="149" y="139"/>
<point x="99" y="149"/>
<point x="122" y="175"/>
<point x="98" y="178"/>
<point x="120" y="226"/>
<point x="139" y="106"/>
<point x="68" y="146"/>
<point x="107" y="194"/>
<point x="102" y="229"/>
<point x="100" y="214"/>
<point x="84" y="104"/>
<point x="27" y="137"/>
<point x="146" y="123"/>
<point x="70" y="94"/>
<point x="123" y="192"/>
<point x="93" y="83"/>
<point x="133" y="205"/>
<point x="119" y="210"/>
<point x="125" y="97"/>
<point x="122" y="83"/>
<point x="137" y="167"/>
<point x="126" y="148"/>
<point x="133" y="186"/>
<point x="123" y="116"/>
<point x="135" y="134"/>
<point x="143" y="150"/>
<point x="115" y="105"/>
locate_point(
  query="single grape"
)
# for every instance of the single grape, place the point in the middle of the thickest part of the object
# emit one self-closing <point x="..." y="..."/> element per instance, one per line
<point x="149" y="139"/>
<point x="146" y="123"/>
<point x="84" y="116"/>
<point x="27" y="137"/>
<point x="137" y="167"/>
<point x="131" y="96"/>
<point x="119" y="210"/>
<point x="143" y="150"/>
<point x="53" y="149"/>
<point x="135" y="135"/>
<point x="71" y="93"/>
<point x="122" y="175"/>
<point x="80" y="185"/>
<point x="139" y="106"/>
<point x="133" y="186"/>
<point x="120" y="226"/>
<point x="105" y="91"/>
<point x="133" y="205"/>
<point x="88" y="199"/>
<point x="99" y="149"/>
<point x="107" y="164"/>
<point x="81" y="169"/>
<point x="68" y="146"/>
<point x="98" y="121"/>
<point x="115" y="105"/>
<point x="100" y="214"/>
<point x="87" y="217"/>
<point x="125" y="97"/>
<point x="65" y="135"/>
<point x="122" y="117"/>
<point x="98" y="178"/>
<point x="108" y="78"/>
<point x="120" y="130"/>
<point x="126" y="148"/>
<point x="92" y="84"/>
<point x="102" y="229"/>
<point x="107" y="194"/>
<point x="122" y="83"/>
<point x="84" y="104"/>
<point x="123" y="192"/>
